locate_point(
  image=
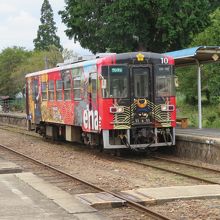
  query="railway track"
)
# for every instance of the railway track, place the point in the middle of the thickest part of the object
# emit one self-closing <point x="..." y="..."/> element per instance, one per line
<point x="19" y="130"/>
<point x="186" y="163"/>
<point x="160" y="163"/>
<point x="200" y="173"/>
<point x="60" y="177"/>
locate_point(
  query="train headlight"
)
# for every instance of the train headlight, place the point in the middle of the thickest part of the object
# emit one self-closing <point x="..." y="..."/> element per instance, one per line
<point x="117" y="109"/>
<point x="167" y="108"/>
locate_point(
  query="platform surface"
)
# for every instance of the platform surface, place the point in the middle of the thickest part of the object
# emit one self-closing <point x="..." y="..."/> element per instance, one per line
<point x="165" y="194"/>
<point x="8" y="167"/>
<point x="26" y="196"/>
<point x="207" y="132"/>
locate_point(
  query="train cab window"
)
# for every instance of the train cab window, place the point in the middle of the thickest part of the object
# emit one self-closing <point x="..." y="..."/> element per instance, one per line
<point x="44" y="90"/>
<point x="59" y="90"/>
<point x="141" y="82"/>
<point x="67" y="87"/>
<point x="51" y="90"/>
<point x="77" y="88"/>
<point x="164" y="81"/>
<point x="116" y="83"/>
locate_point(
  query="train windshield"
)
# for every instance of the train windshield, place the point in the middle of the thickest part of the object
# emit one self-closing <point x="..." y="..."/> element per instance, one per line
<point x="115" y="81"/>
<point x="141" y="82"/>
<point x="164" y="81"/>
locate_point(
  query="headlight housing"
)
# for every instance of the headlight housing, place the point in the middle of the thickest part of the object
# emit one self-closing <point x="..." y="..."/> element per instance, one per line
<point x="117" y="109"/>
<point x="167" y="108"/>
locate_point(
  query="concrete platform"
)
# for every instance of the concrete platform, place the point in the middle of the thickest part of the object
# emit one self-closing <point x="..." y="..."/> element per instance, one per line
<point x="198" y="144"/>
<point x="13" y="118"/>
<point x="101" y="200"/>
<point x="8" y="167"/>
<point x="205" y="132"/>
<point x="25" y="196"/>
<point x="165" y="194"/>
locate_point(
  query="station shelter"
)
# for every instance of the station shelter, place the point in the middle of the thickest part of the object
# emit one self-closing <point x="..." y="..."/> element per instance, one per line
<point x="196" y="56"/>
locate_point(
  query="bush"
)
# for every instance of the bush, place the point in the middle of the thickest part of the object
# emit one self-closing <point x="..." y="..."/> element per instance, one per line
<point x="17" y="105"/>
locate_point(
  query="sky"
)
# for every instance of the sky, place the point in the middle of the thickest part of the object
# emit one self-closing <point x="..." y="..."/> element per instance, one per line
<point x="19" y="22"/>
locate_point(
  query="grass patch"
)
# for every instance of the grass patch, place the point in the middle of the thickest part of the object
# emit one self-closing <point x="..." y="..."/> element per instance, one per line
<point x="210" y="113"/>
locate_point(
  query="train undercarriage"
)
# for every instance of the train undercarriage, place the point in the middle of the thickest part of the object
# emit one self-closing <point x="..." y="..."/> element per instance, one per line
<point x="133" y="139"/>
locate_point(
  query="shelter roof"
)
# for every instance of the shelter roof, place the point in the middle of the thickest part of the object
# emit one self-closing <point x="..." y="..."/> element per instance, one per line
<point x="4" y="97"/>
<point x="190" y="56"/>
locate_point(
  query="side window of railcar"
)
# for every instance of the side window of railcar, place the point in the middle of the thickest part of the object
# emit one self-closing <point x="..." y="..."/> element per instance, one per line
<point x="77" y="88"/>
<point x="59" y="89"/>
<point x="51" y="90"/>
<point x="44" y="90"/>
<point x="67" y="87"/>
<point x="76" y="74"/>
<point x="94" y="85"/>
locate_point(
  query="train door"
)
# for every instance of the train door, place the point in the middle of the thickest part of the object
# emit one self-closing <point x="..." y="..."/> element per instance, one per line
<point x="36" y="101"/>
<point x="141" y="96"/>
<point x="93" y="103"/>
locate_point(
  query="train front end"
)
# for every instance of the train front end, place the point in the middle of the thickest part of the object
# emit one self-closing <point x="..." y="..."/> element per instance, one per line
<point x="138" y="104"/>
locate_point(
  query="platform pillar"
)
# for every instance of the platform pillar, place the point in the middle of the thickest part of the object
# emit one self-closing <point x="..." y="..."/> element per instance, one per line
<point x="199" y="96"/>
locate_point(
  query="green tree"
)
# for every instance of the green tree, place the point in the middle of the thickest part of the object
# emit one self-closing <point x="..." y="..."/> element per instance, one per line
<point x="16" y="62"/>
<point x="210" y="37"/>
<point x="117" y="26"/>
<point x="46" y="35"/>
<point x="210" y="72"/>
<point x="35" y="62"/>
<point x="69" y="54"/>
<point x="10" y="59"/>
<point x="53" y="56"/>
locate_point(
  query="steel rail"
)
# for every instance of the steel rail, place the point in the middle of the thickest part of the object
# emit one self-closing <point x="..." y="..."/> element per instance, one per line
<point x="187" y="164"/>
<point x="129" y="202"/>
<point x="168" y="170"/>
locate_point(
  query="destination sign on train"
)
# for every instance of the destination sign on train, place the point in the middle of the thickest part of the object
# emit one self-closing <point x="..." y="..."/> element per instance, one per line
<point x="117" y="69"/>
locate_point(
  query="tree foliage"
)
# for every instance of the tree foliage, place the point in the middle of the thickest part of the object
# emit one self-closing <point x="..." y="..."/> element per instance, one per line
<point x="69" y="54"/>
<point x="210" y="36"/>
<point x="210" y="72"/>
<point x="38" y="60"/>
<point x="113" y="25"/>
<point x="16" y="62"/>
<point x="10" y="59"/>
<point x="211" y="77"/>
<point x="46" y="35"/>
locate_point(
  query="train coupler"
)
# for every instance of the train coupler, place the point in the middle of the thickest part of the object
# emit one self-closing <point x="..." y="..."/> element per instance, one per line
<point x="124" y="140"/>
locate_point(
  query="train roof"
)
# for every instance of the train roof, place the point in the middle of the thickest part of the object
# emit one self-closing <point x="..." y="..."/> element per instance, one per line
<point x="60" y="68"/>
<point x="97" y="59"/>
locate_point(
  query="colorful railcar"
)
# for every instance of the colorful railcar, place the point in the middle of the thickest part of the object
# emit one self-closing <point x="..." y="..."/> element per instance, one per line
<point x="115" y="101"/>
